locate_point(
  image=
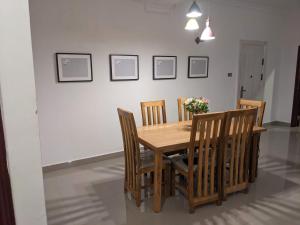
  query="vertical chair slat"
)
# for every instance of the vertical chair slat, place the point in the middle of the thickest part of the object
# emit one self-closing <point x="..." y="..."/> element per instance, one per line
<point x="158" y="115"/>
<point x="207" y="148"/>
<point x="149" y="115"/>
<point x="126" y="160"/>
<point x="200" y="158"/>
<point x="126" y="148"/>
<point x="238" y="149"/>
<point x="252" y="121"/>
<point x="131" y="154"/>
<point x="127" y="155"/>
<point x="213" y="155"/>
<point x="154" y="114"/>
<point x="144" y="118"/>
<point x="179" y="106"/>
<point x="185" y="115"/>
<point x="233" y="146"/>
<point x="190" y="116"/>
<point x="243" y="148"/>
<point x="164" y="113"/>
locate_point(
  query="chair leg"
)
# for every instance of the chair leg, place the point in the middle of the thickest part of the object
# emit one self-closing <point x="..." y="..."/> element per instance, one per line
<point x="137" y="193"/>
<point x="145" y="185"/>
<point x="138" y="198"/>
<point x="256" y="166"/>
<point x="167" y="181"/>
<point x="219" y="202"/>
<point x="172" y="181"/>
<point x="152" y="177"/>
<point x="224" y="197"/>
<point x="191" y="209"/>
<point x="246" y="191"/>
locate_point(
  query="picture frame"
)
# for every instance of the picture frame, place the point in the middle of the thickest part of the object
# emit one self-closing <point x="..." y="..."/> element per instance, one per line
<point x="74" y="67"/>
<point x="164" y="67"/>
<point x="124" y="67"/>
<point x="198" y="66"/>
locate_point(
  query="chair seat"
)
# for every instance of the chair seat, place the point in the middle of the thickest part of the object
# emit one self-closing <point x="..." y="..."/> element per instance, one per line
<point x="147" y="160"/>
<point x="179" y="163"/>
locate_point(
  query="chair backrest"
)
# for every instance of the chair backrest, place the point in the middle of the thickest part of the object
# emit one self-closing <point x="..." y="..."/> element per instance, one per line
<point x="206" y="135"/>
<point x="131" y="147"/>
<point x="236" y="148"/>
<point x="153" y="112"/>
<point x="183" y="114"/>
<point x="248" y="104"/>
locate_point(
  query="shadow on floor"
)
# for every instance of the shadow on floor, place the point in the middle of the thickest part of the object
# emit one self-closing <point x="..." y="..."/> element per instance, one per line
<point x="272" y="199"/>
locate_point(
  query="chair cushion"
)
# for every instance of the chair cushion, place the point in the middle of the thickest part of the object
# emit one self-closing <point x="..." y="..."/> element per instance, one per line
<point x="147" y="159"/>
<point x="179" y="161"/>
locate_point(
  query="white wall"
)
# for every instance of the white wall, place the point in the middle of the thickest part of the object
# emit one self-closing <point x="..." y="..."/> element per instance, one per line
<point x="18" y="105"/>
<point x="286" y="80"/>
<point x="79" y="120"/>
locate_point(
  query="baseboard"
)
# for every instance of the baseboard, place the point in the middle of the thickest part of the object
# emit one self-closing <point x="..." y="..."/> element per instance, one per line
<point x="277" y="123"/>
<point x="80" y="162"/>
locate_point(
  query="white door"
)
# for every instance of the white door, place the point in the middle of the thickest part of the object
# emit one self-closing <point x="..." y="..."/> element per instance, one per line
<point x="251" y="77"/>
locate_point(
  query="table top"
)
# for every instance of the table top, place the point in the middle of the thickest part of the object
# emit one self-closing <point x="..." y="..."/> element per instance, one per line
<point x="171" y="136"/>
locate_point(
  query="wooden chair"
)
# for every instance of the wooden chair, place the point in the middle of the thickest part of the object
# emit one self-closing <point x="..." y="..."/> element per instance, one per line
<point x="203" y="172"/>
<point x="183" y="114"/>
<point x="248" y="104"/>
<point x="137" y="164"/>
<point x="153" y="112"/>
<point x="236" y="157"/>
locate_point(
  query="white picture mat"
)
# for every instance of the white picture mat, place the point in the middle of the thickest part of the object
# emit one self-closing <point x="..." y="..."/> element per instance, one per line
<point x="197" y="61"/>
<point x="63" y="58"/>
<point x="160" y="60"/>
<point x="119" y="59"/>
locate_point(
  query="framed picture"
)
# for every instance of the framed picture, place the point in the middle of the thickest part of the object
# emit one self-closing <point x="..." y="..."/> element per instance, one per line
<point x="124" y="67"/>
<point x="198" y="66"/>
<point x="74" y="67"/>
<point x="164" y="67"/>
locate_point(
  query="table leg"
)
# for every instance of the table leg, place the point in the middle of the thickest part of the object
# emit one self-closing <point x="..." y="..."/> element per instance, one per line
<point x="254" y="158"/>
<point x="157" y="182"/>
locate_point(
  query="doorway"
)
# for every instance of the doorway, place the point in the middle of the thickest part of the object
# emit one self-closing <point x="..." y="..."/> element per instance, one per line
<point x="251" y="70"/>
<point x="6" y="204"/>
<point x="296" y="103"/>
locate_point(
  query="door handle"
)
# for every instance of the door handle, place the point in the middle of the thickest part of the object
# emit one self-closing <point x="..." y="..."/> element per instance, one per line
<point x="242" y="91"/>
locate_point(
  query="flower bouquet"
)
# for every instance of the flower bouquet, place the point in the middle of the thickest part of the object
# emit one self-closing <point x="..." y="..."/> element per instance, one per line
<point x="196" y="105"/>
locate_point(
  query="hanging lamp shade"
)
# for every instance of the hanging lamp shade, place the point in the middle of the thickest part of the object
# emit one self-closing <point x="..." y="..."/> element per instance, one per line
<point x="194" y="11"/>
<point x="207" y="33"/>
<point x="192" y="24"/>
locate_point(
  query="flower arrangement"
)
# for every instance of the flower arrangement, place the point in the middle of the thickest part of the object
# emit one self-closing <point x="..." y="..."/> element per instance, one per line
<point x="196" y="105"/>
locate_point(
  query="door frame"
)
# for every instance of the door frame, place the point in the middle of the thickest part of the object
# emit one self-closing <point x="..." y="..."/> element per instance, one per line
<point x="296" y="101"/>
<point x="7" y="215"/>
<point x="241" y="44"/>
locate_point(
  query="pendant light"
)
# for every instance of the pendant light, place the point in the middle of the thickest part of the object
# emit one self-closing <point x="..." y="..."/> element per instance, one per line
<point x="194" y="11"/>
<point x="192" y="24"/>
<point x="207" y="33"/>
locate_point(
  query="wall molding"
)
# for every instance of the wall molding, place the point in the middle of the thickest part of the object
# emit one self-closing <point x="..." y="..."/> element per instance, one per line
<point x="277" y="123"/>
<point x="80" y="162"/>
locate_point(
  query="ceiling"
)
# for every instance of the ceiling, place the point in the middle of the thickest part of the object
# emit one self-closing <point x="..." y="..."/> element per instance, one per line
<point x="273" y="3"/>
<point x="279" y="4"/>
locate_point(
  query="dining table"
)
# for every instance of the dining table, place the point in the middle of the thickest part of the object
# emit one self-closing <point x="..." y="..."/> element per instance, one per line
<point x="171" y="137"/>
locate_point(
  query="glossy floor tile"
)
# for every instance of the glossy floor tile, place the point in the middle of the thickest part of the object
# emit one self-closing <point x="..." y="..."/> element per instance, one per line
<point x="92" y="194"/>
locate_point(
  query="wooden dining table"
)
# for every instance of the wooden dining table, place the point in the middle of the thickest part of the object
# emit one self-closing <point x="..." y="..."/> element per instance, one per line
<point x="171" y="137"/>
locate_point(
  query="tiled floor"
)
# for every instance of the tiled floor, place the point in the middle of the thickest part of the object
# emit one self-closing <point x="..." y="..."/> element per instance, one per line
<point x="92" y="194"/>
